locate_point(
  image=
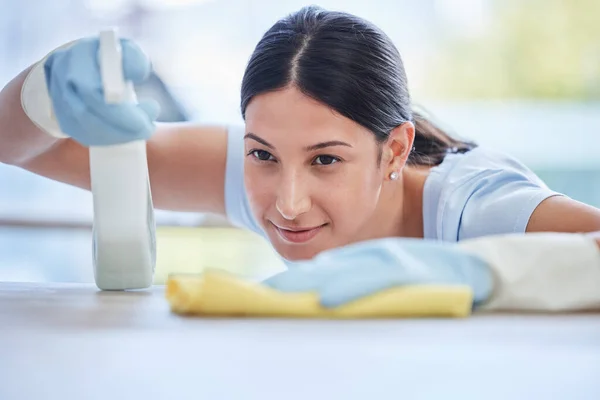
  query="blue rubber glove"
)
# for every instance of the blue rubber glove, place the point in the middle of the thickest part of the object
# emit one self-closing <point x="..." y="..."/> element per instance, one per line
<point x="75" y="87"/>
<point x="348" y="273"/>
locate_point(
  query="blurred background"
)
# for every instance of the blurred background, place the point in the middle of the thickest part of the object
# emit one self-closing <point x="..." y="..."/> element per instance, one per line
<point x="522" y="76"/>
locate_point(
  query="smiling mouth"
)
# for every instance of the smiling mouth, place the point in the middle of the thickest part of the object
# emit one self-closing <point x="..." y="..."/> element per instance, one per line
<point x="298" y="235"/>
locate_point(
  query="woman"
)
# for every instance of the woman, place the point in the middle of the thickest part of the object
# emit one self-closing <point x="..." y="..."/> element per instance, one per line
<point x="331" y="152"/>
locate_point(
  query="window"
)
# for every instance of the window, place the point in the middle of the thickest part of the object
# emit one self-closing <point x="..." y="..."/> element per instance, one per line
<point x="523" y="77"/>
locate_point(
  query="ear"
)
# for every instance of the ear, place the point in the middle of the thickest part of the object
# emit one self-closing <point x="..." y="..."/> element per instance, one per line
<point x="398" y="147"/>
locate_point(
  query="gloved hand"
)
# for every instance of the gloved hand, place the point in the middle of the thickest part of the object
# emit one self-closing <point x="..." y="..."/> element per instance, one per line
<point x="347" y="273"/>
<point x="74" y="85"/>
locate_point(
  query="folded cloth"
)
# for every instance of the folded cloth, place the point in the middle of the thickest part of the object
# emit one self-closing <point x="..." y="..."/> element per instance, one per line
<point x="219" y="293"/>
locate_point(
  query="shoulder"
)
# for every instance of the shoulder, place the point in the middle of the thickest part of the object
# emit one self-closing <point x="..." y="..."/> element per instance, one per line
<point x="479" y="193"/>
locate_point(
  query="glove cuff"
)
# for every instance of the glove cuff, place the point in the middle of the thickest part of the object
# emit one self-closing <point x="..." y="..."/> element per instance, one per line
<point x="540" y="271"/>
<point x="35" y="100"/>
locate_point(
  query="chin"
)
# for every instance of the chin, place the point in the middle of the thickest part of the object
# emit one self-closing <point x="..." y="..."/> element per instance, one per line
<point x="293" y="251"/>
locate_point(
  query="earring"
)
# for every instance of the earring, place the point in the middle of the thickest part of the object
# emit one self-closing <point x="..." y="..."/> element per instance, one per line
<point x="393" y="175"/>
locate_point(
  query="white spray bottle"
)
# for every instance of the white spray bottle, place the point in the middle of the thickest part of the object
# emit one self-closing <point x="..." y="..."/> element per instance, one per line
<point x="124" y="244"/>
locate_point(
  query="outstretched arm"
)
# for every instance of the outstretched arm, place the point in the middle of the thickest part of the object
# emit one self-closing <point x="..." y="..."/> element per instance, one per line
<point x="516" y="272"/>
<point x="186" y="161"/>
<point x="562" y="214"/>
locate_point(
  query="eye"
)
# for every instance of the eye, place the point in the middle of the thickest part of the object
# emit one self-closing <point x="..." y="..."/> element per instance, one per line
<point x="262" y="155"/>
<point x="326" y="160"/>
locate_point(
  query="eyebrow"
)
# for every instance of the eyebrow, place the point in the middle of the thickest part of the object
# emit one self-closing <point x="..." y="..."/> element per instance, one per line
<point x="312" y="147"/>
<point x="259" y="140"/>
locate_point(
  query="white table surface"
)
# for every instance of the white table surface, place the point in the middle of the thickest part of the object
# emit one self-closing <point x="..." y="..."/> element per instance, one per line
<point x="71" y="341"/>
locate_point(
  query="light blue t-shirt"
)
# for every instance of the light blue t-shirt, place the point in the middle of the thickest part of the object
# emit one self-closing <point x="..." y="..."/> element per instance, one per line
<point x="478" y="193"/>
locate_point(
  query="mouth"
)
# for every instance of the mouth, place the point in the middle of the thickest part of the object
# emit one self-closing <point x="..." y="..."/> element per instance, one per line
<point x="298" y="235"/>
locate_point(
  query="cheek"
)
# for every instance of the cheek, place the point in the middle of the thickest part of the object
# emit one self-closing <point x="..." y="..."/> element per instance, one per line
<point x="259" y="188"/>
<point x="352" y="197"/>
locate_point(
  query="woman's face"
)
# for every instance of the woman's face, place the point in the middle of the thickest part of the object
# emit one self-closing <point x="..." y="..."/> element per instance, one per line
<point x="312" y="175"/>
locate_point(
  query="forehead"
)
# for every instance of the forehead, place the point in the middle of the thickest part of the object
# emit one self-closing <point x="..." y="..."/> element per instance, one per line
<point x="290" y="114"/>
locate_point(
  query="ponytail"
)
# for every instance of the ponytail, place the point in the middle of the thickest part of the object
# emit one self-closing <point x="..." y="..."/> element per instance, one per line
<point x="432" y="143"/>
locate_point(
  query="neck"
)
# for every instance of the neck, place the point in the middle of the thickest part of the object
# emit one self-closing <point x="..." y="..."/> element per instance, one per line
<point x="413" y="183"/>
<point x="400" y="209"/>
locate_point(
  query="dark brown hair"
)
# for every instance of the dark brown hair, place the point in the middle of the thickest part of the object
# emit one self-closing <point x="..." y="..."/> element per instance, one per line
<point x="350" y="65"/>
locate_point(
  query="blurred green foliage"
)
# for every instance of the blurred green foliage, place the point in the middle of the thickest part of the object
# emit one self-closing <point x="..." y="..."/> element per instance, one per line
<point x="530" y="49"/>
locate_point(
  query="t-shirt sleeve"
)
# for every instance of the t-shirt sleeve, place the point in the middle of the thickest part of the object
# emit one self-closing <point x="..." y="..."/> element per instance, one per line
<point x="237" y="206"/>
<point x="489" y="193"/>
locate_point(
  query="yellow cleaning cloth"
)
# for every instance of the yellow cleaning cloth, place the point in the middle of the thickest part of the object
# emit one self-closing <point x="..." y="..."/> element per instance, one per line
<point x="218" y="293"/>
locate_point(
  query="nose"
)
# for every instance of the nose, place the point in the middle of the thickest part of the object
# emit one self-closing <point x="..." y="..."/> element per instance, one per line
<point x="293" y="198"/>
